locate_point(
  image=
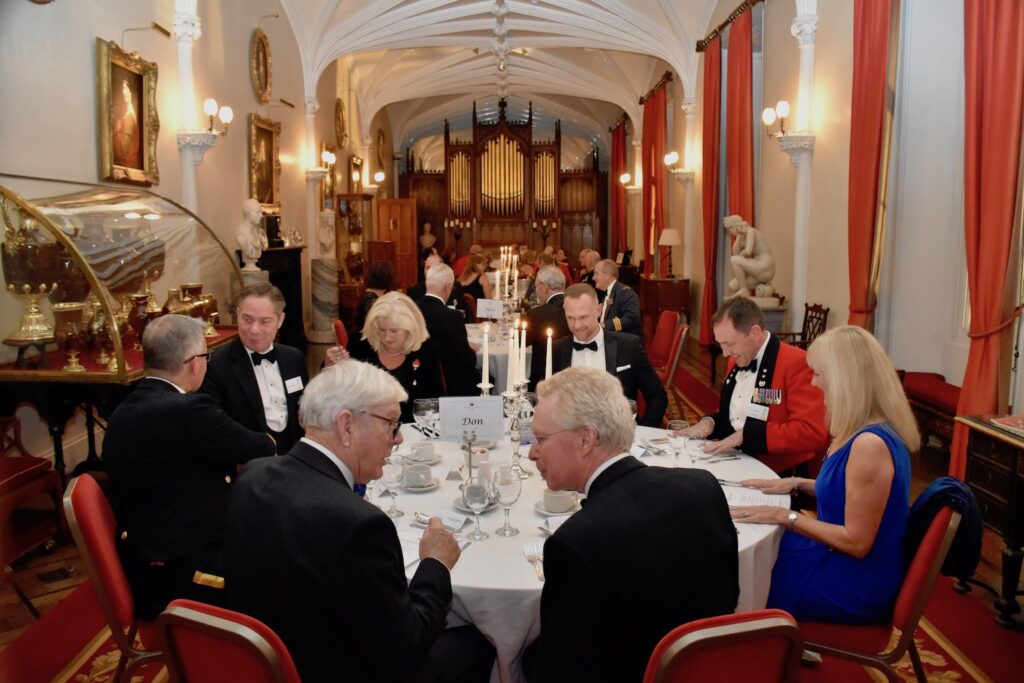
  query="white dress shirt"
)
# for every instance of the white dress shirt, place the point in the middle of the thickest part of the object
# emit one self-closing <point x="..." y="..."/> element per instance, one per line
<point x="345" y="471"/>
<point x="744" y="391"/>
<point x="607" y="300"/>
<point x="271" y="384"/>
<point x="588" y="358"/>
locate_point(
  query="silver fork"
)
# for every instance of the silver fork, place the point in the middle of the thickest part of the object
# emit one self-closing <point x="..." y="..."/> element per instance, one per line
<point x="534" y="551"/>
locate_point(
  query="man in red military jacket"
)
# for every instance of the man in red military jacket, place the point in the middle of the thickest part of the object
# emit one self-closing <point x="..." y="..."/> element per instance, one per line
<point x="768" y="407"/>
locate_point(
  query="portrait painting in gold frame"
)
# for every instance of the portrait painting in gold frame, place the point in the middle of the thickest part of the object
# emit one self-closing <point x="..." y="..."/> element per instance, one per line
<point x="127" y="115"/>
<point x="261" y="65"/>
<point x="265" y="162"/>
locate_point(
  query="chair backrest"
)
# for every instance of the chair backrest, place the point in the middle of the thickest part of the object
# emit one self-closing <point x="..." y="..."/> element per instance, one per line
<point x="763" y="645"/>
<point x="470" y="301"/>
<point x="815" y="320"/>
<point x="661" y="345"/>
<point x="341" y="333"/>
<point x="94" y="530"/>
<point x="678" y="342"/>
<point x="923" y="570"/>
<point x="207" y="644"/>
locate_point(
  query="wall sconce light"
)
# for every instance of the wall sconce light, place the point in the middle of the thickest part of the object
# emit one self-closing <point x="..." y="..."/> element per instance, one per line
<point x="225" y="114"/>
<point x="378" y="177"/>
<point x="770" y="114"/>
<point x="625" y="178"/>
<point x="671" y="159"/>
<point x="356" y="176"/>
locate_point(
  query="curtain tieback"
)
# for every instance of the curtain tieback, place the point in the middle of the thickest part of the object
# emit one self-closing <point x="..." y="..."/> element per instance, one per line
<point x="1000" y="327"/>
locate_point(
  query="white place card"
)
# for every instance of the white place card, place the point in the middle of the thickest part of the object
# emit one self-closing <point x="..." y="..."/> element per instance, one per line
<point x="489" y="308"/>
<point x="482" y="415"/>
<point x="737" y="497"/>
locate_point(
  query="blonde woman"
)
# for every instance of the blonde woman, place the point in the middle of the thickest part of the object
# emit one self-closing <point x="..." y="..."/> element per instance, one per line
<point x="474" y="279"/>
<point x="845" y="566"/>
<point x="394" y="338"/>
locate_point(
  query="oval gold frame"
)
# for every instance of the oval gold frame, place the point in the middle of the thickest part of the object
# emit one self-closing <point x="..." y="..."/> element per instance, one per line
<point x="262" y="92"/>
<point x="340" y="127"/>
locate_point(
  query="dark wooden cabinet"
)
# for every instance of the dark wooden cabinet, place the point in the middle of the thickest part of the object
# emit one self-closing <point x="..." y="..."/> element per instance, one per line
<point x="285" y="267"/>
<point x="995" y="473"/>
<point x="662" y="294"/>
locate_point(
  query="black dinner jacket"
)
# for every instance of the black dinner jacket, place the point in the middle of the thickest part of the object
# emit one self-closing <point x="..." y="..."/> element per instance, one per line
<point x="417" y="291"/>
<point x="231" y="381"/>
<point x="550" y="314"/>
<point x="651" y="549"/>
<point x="624" y="358"/>
<point x="622" y="312"/>
<point x="323" y="568"/>
<point x="171" y="459"/>
<point x="458" y="361"/>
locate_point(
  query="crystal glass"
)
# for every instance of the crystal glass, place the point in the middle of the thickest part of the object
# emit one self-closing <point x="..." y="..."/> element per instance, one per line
<point x="507" y="488"/>
<point x="433" y="415"/>
<point x="632" y="409"/>
<point x="476" y="495"/>
<point x="393" y="478"/>
<point x="676" y="438"/>
<point x="421" y="413"/>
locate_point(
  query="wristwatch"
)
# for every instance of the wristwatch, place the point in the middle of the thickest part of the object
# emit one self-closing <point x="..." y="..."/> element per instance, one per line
<point x="791" y="519"/>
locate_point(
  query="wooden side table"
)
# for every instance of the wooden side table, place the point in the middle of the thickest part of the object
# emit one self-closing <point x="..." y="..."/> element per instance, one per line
<point x="995" y="473"/>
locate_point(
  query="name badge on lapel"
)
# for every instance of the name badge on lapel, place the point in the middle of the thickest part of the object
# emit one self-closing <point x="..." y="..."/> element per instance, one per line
<point x="292" y="385"/>
<point x="757" y="412"/>
<point x="767" y="397"/>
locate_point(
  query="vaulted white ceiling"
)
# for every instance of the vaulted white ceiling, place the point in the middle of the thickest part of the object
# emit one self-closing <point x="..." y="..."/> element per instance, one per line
<point x="582" y="61"/>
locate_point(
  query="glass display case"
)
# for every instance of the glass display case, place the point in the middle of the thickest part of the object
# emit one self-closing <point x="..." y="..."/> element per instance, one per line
<point x="355" y="211"/>
<point x="86" y="267"/>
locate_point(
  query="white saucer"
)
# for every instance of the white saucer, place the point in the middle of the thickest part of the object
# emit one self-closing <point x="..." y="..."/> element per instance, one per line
<point x="431" y="461"/>
<point x="469" y="511"/>
<point x="539" y="507"/>
<point x="489" y="445"/>
<point x="434" y="483"/>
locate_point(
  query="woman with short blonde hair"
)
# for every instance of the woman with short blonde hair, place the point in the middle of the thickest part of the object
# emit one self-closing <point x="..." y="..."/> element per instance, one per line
<point x="846" y="565"/>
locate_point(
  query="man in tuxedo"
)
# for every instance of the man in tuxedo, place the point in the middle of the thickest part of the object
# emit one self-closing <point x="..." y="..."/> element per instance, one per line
<point x="324" y="568"/>
<point x="257" y="382"/>
<point x="651" y="549"/>
<point x="171" y="455"/>
<point x="448" y="330"/>
<point x="768" y="407"/>
<point x="550" y="314"/>
<point x="621" y="308"/>
<point x="620" y="354"/>
<point x="417" y="291"/>
<point x="588" y="261"/>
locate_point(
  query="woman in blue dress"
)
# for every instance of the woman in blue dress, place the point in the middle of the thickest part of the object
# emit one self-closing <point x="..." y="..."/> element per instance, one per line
<point x="846" y="565"/>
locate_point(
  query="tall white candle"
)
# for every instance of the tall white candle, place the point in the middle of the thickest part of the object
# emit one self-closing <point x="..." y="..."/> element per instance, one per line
<point x="497" y="284"/>
<point x="513" y="357"/>
<point x="486" y="374"/>
<point x="547" y="361"/>
<point x="522" y="356"/>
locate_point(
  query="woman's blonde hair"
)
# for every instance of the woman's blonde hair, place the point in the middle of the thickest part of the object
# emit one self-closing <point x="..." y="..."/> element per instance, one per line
<point x="403" y="313"/>
<point x="471" y="267"/>
<point x="861" y="385"/>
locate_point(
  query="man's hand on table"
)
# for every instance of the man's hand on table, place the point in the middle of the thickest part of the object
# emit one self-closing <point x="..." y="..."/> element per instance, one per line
<point x="701" y="429"/>
<point x="438" y="543"/>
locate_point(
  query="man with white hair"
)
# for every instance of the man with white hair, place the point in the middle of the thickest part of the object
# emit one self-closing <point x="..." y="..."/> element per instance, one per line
<point x="550" y="288"/>
<point x="309" y="557"/>
<point x="651" y="549"/>
<point x="620" y="306"/>
<point x="454" y="299"/>
<point x="448" y="330"/>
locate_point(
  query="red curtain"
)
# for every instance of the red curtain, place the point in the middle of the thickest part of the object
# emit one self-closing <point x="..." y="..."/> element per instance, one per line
<point x="867" y="114"/>
<point x="653" y="150"/>
<point x="618" y="192"/>
<point x="739" y="153"/>
<point x="994" y="68"/>
<point x="709" y="180"/>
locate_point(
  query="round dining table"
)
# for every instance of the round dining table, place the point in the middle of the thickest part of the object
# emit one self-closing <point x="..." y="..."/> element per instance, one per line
<point x="497" y="589"/>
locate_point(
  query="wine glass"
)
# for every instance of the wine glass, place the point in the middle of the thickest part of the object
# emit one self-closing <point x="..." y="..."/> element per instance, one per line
<point x="433" y="417"/>
<point x="476" y="495"/>
<point x="677" y="438"/>
<point x="393" y="478"/>
<point x="507" y="486"/>
<point x="632" y="408"/>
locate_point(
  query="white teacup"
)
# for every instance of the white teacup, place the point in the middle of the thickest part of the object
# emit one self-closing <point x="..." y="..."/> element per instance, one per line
<point x="422" y="451"/>
<point x="558" y="501"/>
<point x="417" y="476"/>
<point x="479" y="455"/>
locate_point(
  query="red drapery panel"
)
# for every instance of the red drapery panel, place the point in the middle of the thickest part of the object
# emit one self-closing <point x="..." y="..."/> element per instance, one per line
<point x="994" y="69"/>
<point x="709" y="180"/>
<point x="739" y="151"/>
<point x="618" y="192"/>
<point x="867" y="113"/>
<point x="654" y="195"/>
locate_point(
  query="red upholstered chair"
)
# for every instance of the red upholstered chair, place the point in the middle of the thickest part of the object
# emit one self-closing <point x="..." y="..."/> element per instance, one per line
<point x="341" y="333"/>
<point x="93" y="528"/>
<point x="668" y="373"/>
<point x="660" y="350"/>
<point x="207" y="644"/>
<point x="23" y="478"/>
<point x="867" y="644"/>
<point x="470" y="301"/>
<point x="763" y="645"/>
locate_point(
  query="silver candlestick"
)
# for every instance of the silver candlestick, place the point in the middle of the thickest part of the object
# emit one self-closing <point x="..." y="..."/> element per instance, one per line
<point x="516" y="430"/>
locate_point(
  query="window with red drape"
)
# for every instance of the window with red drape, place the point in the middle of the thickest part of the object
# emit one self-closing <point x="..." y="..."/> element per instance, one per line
<point x="711" y="131"/>
<point x="739" y="137"/>
<point x="653" y="197"/>
<point x="618" y="192"/>
<point x="994" y="97"/>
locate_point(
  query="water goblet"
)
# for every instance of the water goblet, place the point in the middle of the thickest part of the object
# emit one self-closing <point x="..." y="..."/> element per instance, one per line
<point x="632" y="408"/>
<point x="476" y="494"/>
<point x="433" y="415"/>
<point x="393" y="478"/>
<point x="507" y="486"/>
<point x="677" y="438"/>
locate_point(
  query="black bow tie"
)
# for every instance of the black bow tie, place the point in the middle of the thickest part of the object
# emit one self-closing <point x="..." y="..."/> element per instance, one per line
<point x="270" y="356"/>
<point x="750" y="367"/>
<point x="592" y="346"/>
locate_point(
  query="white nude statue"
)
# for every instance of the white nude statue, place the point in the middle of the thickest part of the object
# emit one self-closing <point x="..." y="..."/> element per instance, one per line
<point x="325" y="233"/>
<point x="251" y="238"/>
<point x="752" y="263"/>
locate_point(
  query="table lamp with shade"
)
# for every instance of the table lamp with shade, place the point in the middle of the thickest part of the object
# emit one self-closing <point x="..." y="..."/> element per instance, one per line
<point x="670" y="238"/>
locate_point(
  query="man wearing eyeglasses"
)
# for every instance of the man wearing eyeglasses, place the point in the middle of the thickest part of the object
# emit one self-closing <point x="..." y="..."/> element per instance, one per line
<point x="172" y="455"/>
<point x="652" y="548"/>
<point x="255" y="380"/>
<point x="306" y="555"/>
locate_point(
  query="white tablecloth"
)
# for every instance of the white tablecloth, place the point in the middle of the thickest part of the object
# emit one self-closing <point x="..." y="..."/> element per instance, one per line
<point x="494" y="586"/>
<point x="497" y="350"/>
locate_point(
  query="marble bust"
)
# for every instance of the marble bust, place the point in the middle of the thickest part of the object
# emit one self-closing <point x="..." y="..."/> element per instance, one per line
<point x="251" y="238"/>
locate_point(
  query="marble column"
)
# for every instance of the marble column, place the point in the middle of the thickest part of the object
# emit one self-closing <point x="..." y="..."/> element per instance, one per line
<point x="325" y="300"/>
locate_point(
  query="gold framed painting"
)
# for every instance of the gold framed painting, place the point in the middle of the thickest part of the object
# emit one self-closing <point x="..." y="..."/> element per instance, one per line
<point x="127" y="115"/>
<point x="261" y="65"/>
<point x="355" y="174"/>
<point x="264" y="162"/>
<point x="328" y="188"/>
<point x="340" y="127"/>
